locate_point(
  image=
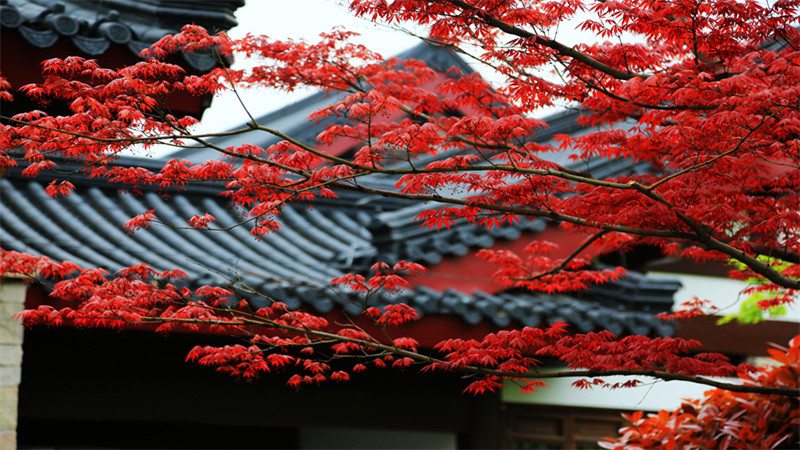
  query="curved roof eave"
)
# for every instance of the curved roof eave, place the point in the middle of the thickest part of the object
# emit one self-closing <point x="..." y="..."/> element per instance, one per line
<point x="93" y="26"/>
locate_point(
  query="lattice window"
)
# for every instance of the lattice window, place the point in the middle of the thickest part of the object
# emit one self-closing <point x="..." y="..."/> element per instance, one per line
<point x="543" y="427"/>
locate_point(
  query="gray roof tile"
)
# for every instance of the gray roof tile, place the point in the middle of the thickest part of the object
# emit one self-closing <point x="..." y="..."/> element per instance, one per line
<point x="295" y="264"/>
<point x="314" y="245"/>
<point x="93" y="26"/>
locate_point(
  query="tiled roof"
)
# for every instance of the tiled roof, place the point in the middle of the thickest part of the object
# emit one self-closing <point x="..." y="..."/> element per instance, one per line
<point x="396" y="234"/>
<point x="315" y="244"/>
<point x="293" y="119"/>
<point x="296" y="263"/>
<point x="405" y="240"/>
<point x="93" y="26"/>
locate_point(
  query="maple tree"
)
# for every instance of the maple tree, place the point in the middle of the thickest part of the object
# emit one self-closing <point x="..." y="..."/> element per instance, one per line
<point x="707" y="97"/>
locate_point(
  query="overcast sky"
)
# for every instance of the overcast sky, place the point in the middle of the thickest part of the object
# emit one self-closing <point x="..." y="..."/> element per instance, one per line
<point x="305" y="19"/>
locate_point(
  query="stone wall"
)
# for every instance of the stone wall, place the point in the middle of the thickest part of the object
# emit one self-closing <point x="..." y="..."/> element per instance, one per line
<point x="12" y="300"/>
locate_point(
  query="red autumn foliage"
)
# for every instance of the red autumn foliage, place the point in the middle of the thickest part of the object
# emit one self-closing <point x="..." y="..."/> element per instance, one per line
<point x="706" y="99"/>
<point x="724" y="419"/>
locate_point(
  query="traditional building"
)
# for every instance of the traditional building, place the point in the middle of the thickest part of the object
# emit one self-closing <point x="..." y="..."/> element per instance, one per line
<point x="94" y="388"/>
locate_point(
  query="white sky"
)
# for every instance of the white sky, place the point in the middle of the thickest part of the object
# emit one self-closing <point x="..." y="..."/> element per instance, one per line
<point x="305" y="19"/>
<point x="282" y="19"/>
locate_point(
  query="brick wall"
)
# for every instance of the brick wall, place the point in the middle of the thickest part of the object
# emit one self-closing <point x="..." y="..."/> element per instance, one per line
<point x="12" y="300"/>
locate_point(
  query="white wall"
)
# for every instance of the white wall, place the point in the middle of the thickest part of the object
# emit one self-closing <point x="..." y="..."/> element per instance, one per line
<point x="723" y="293"/>
<point x="652" y="395"/>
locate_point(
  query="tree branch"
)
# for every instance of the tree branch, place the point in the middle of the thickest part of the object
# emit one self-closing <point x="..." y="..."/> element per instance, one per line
<point x="592" y="239"/>
<point x="253" y="320"/>
<point x="543" y="41"/>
